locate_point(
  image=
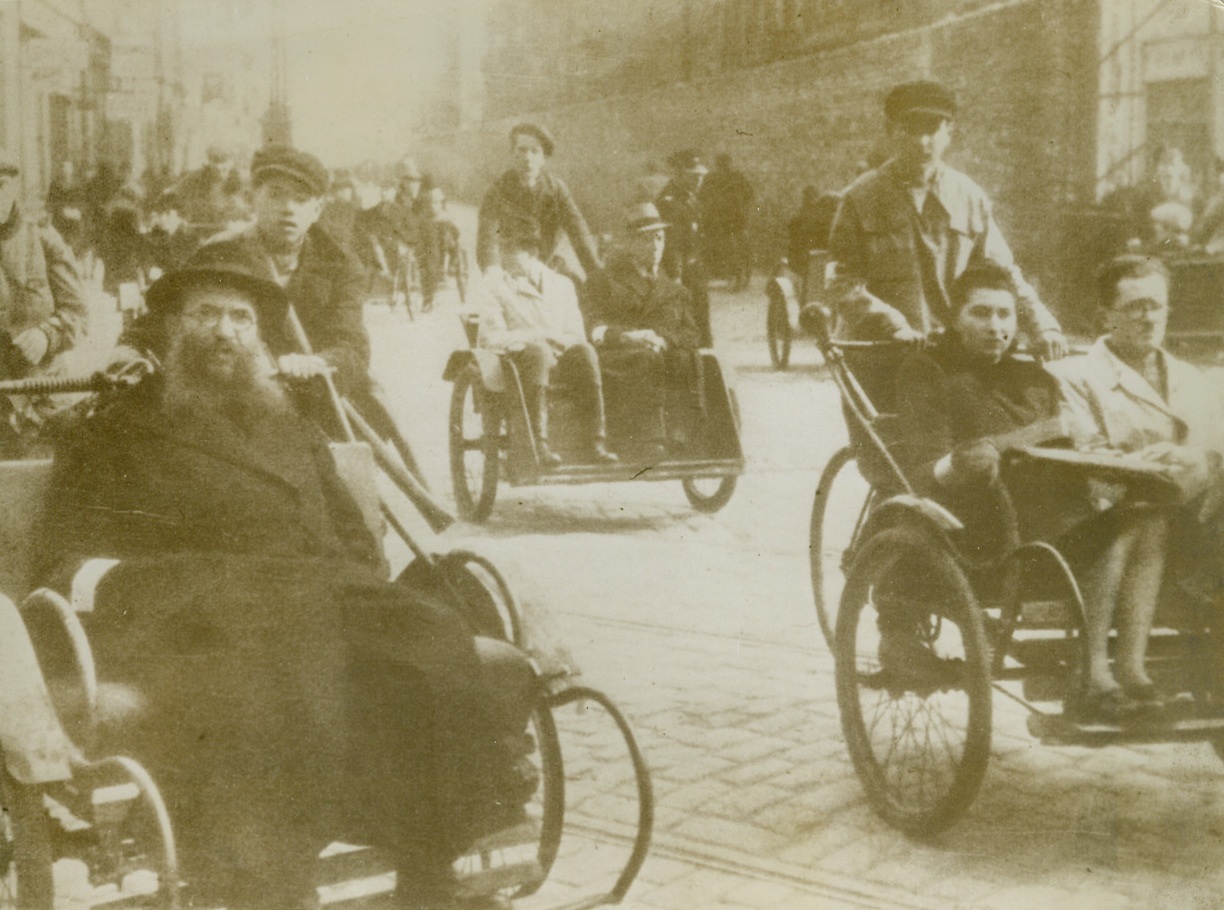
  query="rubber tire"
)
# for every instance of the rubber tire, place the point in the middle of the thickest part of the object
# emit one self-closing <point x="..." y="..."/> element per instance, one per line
<point x="473" y="505"/>
<point x="25" y="847"/>
<point x="713" y="502"/>
<point x="879" y="554"/>
<point x="825" y="613"/>
<point x="778" y="332"/>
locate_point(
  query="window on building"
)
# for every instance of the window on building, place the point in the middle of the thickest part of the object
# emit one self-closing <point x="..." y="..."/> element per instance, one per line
<point x="1179" y="116"/>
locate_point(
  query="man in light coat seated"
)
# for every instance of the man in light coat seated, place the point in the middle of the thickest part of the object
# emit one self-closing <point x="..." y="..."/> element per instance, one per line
<point x="1129" y="394"/>
<point x="532" y="314"/>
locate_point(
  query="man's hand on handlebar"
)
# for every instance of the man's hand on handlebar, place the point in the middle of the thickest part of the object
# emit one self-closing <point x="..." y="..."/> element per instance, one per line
<point x="1052" y="345"/>
<point x="32" y="344"/>
<point x="302" y="366"/>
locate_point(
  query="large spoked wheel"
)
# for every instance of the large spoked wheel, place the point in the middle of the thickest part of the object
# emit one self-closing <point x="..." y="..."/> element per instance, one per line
<point x="839" y="508"/>
<point x="913" y="681"/>
<point x="778" y="332"/>
<point x="709" y="494"/>
<point x="25" y="847"/>
<point x="475" y="430"/>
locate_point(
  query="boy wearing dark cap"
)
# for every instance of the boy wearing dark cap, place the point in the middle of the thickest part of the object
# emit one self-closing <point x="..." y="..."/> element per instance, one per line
<point x="528" y="191"/>
<point x="908" y="228"/>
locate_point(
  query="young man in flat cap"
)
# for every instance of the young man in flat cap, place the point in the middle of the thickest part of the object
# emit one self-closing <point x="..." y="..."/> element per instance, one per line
<point x="680" y="204"/>
<point x="288" y="694"/>
<point x="529" y="191"/>
<point x="643" y="327"/>
<point x="42" y="308"/>
<point x="908" y="228"/>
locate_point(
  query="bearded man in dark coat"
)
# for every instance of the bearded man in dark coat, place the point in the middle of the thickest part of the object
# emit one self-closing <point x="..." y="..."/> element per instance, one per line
<point x="646" y="333"/>
<point x="286" y="694"/>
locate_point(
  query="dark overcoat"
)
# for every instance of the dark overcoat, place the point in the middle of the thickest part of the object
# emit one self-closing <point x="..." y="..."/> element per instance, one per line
<point x="645" y="388"/>
<point x="287" y="692"/>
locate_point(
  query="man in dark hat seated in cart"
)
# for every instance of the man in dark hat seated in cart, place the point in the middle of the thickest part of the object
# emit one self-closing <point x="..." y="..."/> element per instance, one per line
<point x="285" y="693"/>
<point x="643" y="325"/>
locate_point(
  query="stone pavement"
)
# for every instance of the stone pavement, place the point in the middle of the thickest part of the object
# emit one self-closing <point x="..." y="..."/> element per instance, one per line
<point x="701" y="627"/>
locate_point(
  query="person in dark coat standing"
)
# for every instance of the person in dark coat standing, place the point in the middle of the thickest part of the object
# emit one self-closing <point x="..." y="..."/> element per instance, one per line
<point x="683" y="257"/>
<point x="726" y="201"/>
<point x="643" y="327"/>
<point x="529" y="192"/>
<point x="282" y="692"/>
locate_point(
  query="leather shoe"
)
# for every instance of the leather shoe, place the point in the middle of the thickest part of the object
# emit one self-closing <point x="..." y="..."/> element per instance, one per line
<point x="548" y="458"/>
<point x="601" y="455"/>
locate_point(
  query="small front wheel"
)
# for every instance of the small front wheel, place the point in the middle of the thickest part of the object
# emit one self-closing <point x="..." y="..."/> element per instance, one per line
<point x="709" y="494"/>
<point x="913" y="681"/>
<point x="778" y="331"/>
<point x="475" y="447"/>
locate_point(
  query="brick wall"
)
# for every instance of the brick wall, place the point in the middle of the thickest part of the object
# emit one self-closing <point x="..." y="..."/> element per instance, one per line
<point x="1025" y="73"/>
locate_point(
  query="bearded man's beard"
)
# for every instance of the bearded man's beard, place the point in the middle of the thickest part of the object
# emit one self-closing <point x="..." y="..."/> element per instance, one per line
<point x="221" y="377"/>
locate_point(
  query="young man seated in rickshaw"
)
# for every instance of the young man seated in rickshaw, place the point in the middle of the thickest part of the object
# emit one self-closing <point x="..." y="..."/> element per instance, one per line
<point x="531" y="314"/>
<point x="286" y="693"/>
<point x="643" y="325"/>
<point x="1129" y="394"/>
<point x="964" y="402"/>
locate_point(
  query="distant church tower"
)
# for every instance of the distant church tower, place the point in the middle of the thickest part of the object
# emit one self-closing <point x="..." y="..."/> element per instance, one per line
<point x="277" y="122"/>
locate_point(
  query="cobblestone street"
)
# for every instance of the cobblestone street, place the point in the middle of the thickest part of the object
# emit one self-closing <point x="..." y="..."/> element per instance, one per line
<point x="702" y="628"/>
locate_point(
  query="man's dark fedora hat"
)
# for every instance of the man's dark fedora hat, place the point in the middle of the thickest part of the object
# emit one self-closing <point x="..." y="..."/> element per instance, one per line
<point x="219" y="266"/>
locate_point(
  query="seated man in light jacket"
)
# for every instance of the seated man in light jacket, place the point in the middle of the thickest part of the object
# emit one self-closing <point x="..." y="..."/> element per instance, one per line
<point x="532" y="314"/>
<point x="1129" y="394"/>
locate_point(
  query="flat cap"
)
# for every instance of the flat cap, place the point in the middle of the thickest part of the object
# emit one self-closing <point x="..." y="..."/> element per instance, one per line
<point x="283" y="160"/>
<point x="534" y="129"/>
<point x="921" y="97"/>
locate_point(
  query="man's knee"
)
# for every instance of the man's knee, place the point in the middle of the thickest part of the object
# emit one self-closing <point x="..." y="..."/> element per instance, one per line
<point x="509" y="681"/>
<point x="535" y="361"/>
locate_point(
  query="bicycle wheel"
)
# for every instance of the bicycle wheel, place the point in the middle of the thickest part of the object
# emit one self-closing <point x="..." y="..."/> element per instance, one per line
<point x="913" y="681"/>
<point x="842" y="496"/>
<point x="475" y="447"/>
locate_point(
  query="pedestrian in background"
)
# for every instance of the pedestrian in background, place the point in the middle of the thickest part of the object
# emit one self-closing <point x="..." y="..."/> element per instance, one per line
<point x="726" y="202"/>
<point x="683" y="257"/>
